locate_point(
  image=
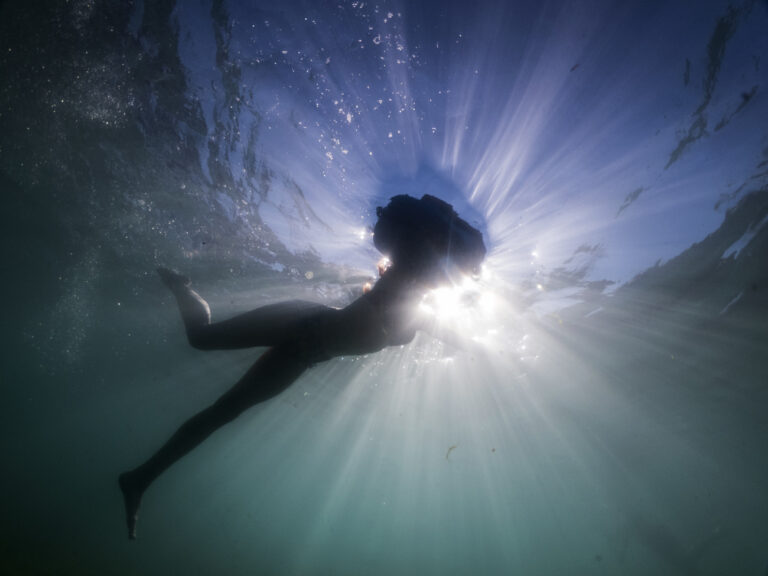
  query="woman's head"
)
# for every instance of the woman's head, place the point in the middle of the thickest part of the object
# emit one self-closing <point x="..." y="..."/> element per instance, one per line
<point x="427" y="237"/>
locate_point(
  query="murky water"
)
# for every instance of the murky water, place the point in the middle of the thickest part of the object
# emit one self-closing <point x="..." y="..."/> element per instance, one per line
<point x="605" y="413"/>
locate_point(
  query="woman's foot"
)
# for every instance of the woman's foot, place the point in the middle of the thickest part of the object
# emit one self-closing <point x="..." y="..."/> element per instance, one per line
<point x="132" y="500"/>
<point x="172" y="279"/>
<point x="195" y="311"/>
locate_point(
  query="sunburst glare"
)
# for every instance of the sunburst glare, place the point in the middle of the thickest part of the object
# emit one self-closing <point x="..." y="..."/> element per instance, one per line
<point x="597" y="389"/>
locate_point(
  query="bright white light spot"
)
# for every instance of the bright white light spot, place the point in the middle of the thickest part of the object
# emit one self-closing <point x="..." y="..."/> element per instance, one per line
<point x="461" y="299"/>
<point x="469" y="315"/>
<point x="488" y="303"/>
<point x="445" y="302"/>
<point x="383" y="265"/>
<point x="426" y="308"/>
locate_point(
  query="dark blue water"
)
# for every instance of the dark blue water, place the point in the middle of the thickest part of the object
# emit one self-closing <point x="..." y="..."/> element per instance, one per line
<point x="604" y="409"/>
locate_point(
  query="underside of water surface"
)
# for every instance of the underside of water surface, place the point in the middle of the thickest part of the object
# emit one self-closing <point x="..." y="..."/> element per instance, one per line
<point x="592" y="402"/>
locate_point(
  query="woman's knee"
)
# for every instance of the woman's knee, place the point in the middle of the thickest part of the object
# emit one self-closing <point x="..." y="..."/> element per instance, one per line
<point x="200" y="338"/>
<point x="226" y="412"/>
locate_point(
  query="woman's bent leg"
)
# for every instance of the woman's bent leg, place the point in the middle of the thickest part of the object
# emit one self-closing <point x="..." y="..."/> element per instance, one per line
<point x="269" y="325"/>
<point x="266" y="326"/>
<point x="195" y="311"/>
<point x="272" y="373"/>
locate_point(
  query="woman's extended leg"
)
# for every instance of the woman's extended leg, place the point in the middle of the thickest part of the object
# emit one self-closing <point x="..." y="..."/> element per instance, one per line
<point x="272" y="373"/>
<point x="266" y="326"/>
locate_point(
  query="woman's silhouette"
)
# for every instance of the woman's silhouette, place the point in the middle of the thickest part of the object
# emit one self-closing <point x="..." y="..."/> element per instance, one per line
<point x="424" y="239"/>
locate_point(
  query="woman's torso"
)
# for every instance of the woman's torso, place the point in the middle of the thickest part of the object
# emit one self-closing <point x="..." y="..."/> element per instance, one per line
<point x="380" y="318"/>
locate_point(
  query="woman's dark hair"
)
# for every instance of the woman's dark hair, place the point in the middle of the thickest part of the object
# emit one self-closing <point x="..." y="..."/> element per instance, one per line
<point x="427" y="236"/>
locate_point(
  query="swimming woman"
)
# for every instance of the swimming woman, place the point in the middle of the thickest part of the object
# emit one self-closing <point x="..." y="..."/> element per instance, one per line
<point x="424" y="240"/>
